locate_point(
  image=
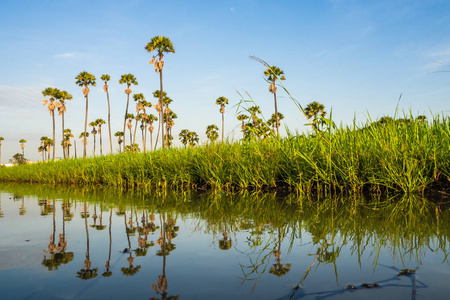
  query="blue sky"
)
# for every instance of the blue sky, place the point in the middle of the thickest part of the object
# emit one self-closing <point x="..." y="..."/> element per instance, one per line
<point x="355" y="57"/>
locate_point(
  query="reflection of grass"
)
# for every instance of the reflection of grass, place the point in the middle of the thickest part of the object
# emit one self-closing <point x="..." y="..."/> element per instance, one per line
<point x="403" y="156"/>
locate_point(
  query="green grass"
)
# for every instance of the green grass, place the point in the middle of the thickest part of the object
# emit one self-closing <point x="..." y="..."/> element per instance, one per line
<point x="402" y="156"/>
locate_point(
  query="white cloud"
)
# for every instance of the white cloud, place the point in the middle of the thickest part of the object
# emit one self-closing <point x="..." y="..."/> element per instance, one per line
<point x="66" y="55"/>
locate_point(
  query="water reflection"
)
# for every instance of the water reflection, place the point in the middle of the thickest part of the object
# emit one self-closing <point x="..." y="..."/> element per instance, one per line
<point x="292" y="241"/>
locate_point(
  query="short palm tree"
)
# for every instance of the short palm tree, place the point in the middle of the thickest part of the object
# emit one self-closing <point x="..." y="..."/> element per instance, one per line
<point x="52" y="105"/>
<point x="242" y="118"/>
<point x="139" y="98"/>
<point x="84" y="136"/>
<point x="130" y="118"/>
<point x="128" y="79"/>
<point x="273" y="121"/>
<point x="211" y="133"/>
<point x="94" y="131"/>
<point x="1" y="139"/>
<point x="184" y="137"/>
<point x="161" y="112"/>
<point x="273" y="73"/>
<point x="22" y="145"/>
<point x="151" y="118"/>
<point x="62" y="96"/>
<point x="192" y="138"/>
<point x="313" y="110"/>
<point x="106" y="78"/>
<point x="162" y="45"/>
<point x="67" y="135"/>
<point x="100" y="122"/>
<point x="119" y="135"/>
<point x="85" y="79"/>
<point x="222" y="101"/>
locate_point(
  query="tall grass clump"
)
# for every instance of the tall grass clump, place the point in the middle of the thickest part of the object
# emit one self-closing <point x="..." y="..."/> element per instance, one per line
<point x="403" y="155"/>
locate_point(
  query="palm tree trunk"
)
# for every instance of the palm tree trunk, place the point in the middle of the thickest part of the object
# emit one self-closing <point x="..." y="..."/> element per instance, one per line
<point x="85" y="125"/>
<point x="75" y="145"/>
<point x="276" y="111"/>
<point x="223" y="122"/>
<point x="135" y="129"/>
<point x="130" y="139"/>
<point x="101" y="146"/>
<point x="109" y="122"/>
<point x="162" y="104"/>
<point x="23" y="152"/>
<point x="94" y="144"/>
<point x="151" y="141"/>
<point x="125" y="120"/>
<point x="53" y="117"/>
<point x="64" y="152"/>
<point x="145" y="139"/>
<point x="157" y="135"/>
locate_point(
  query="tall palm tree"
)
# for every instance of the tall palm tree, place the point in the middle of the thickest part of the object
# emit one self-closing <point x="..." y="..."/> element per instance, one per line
<point x="94" y="131"/>
<point x="222" y="101"/>
<point x="211" y="133"/>
<point x="145" y="123"/>
<point x="242" y="118"/>
<point x="119" y="134"/>
<point x="273" y="73"/>
<point x="62" y="96"/>
<point x="128" y="79"/>
<point x="85" y="79"/>
<point x="162" y="45"/>
<point x="52" y="105"/>
<point x="100" y="122"/>
<point x="161" y="111"/>
<point x="1" y="139"/>
<point x="22" y="145"/>
<point x="313" y="110"/>
<point x="106" y="78"/>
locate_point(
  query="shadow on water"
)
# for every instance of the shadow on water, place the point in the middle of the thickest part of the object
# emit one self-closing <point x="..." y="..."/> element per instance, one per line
<point x="262" y="229"/>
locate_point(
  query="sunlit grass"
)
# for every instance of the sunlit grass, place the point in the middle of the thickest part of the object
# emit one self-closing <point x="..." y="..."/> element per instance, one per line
<point x="400" y="156"/>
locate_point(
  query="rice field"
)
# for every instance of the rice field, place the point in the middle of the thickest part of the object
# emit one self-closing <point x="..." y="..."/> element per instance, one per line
<point x="405" y="155"/>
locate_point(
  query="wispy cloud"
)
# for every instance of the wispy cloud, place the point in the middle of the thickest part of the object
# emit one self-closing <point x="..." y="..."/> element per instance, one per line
<point x="66" y="55"/>
<point x="13" y="95"/>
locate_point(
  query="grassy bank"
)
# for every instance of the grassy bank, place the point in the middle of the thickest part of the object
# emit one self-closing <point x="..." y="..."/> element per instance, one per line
<point x="399" y="156"/>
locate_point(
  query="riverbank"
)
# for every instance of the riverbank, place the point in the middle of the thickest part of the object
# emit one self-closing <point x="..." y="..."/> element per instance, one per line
<point x="406" y="156"/>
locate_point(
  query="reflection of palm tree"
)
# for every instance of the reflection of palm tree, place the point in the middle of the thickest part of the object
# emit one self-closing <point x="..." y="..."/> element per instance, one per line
<point x="131" y="270"/>
<point x="87" y="273"/>
<point x="108" y="273"/>
<point x="279" y="269"/>
<point x="161" y="285"/>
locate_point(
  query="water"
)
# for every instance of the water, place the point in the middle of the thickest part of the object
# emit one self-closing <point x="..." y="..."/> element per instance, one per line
<point x="94" y="244"/>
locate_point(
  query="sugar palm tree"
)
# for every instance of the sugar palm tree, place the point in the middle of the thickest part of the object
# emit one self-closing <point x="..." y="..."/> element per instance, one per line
<point x="106" y="78"/>
<point x="62" y="96"/>
<point x="67" y="135"/>
<point x="145" y="123"/>
<point x="84" y="136"/>
<point x="161" y="111"/>
<point x="242" y="118"/>
<point x="184" y="137"/>
<point x="313" y="110"/>
<point x="52" y="105"/>
<point x="273" y="121"/>
<point x="222" y="101"/>
<point x="128" y="79"/>
<point x="130" y="118"/>
<point x="85" y="79"/>
<point x="151" y="118"/>
<point x="1" y="139"/>
<point x="273" y="73"/>
<point x="99" y="123"/>
<point x="22" y="145"/>
<point x="162" y="45"/>
<point x="211" y="133"/>
<point x="94" y="131"/>
<point x="119" y="134"/>
<point x="139" y="98"/>
<point x="192" y="138"/>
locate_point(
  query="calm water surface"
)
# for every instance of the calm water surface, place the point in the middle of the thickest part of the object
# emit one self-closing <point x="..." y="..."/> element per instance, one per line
<point x="78" y="244"/>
